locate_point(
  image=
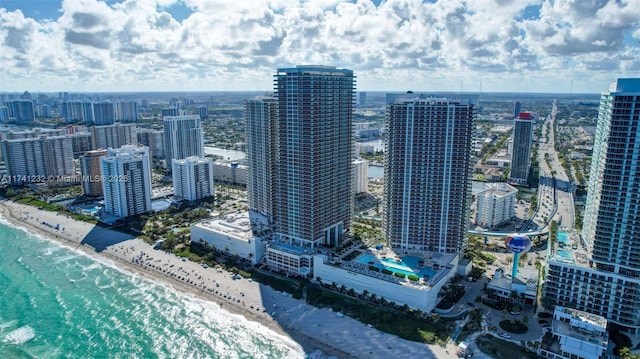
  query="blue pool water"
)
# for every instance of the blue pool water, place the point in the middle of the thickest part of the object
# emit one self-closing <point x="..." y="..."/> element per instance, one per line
<point x="563" y="237"/>
<point x="289" y="248"/>
<point x="564" y="254"/>
<point x="408" y="265"/>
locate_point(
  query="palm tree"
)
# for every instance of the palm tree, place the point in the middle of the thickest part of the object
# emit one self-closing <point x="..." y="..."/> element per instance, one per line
<point x="513" y="296"/>
<point x="365" y="293"/>
<point x="535" y="345"/>
<point x="548" y="303"/>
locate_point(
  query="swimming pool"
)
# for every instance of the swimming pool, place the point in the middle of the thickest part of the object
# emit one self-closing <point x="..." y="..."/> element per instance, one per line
<point x="408" y="265"/>
<point x="563" y="237"/>
<point x="564" y="254"/>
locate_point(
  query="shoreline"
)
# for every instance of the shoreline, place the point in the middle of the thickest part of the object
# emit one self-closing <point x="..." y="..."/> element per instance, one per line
<point x="312" y="329"/>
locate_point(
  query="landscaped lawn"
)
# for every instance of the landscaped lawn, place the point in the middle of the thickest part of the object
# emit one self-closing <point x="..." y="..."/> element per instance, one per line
<point x="400" y="324"/>
<point x="498" y="348"/>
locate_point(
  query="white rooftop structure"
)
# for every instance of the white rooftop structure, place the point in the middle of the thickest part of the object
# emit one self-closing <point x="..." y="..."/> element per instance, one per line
<point x="577" y="335"/>
<point x="232" y="234"/>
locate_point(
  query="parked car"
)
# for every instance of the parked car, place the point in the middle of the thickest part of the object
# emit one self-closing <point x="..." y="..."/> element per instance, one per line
<point x="544" y="323"/>
<point x="505" y="335"/>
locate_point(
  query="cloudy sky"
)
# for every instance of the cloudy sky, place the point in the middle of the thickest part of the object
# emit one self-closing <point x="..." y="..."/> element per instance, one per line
<point x="437" y="45"/>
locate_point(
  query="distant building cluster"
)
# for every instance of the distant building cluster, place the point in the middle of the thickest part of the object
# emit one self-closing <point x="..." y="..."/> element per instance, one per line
<point x="111" y="150"/>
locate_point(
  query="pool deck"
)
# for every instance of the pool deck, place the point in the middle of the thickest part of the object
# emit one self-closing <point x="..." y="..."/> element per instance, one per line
<point x="386" y="258"/>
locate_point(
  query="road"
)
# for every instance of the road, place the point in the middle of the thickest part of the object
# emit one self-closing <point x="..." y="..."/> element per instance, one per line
<point x="555" y="196"/>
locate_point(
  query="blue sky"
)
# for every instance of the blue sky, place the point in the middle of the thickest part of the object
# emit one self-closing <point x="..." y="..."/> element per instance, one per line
<point x="395" y="45"/>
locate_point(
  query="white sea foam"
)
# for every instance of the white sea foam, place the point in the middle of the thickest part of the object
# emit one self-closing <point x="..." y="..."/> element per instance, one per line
<point x="20" y="335"/>
<point x="210" y="327"/>
<point x="92" y="266"/>
<point x="6" y="325"/>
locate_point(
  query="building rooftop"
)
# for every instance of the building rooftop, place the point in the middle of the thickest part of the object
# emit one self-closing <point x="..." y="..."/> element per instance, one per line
<point x="580" y="316"/>
<point x="234" y="225"/>
<point x="430" y="269"/>
<point x="582" y="327"/>
<point x="526" y="276"/>
<point x="288" y="248"/>
<point x="498" y="190"/>
<point x="568" y="250"/>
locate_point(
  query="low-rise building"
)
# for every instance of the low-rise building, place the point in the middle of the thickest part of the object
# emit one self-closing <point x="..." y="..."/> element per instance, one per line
<point x="363" y="148"/>
<point x="498" y="162"/>
<point x="231" y="234"/>
<point x="525" y="285"/>
<point x="289" y="258"/>
<point x="576" y="335"/>
<point x="230" y="172"/>
<point x="395" y="279"/>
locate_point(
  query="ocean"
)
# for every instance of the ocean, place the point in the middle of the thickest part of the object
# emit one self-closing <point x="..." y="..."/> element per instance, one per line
<point x="57" y="302"/>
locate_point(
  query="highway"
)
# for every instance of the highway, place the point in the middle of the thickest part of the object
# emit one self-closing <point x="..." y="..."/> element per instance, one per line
<point x="556" y="178"/>
<point x="555" y="192"/>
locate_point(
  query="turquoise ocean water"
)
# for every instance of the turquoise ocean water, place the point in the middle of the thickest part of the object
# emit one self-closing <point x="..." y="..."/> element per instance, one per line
<point x="56" y="302"/>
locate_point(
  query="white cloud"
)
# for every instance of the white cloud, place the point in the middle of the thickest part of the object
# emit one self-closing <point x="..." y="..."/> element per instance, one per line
<point x="137" y="44"/>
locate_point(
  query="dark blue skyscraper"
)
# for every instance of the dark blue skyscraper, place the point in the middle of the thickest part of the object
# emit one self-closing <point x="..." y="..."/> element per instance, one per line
<point x="21" y="111"/>
<point x="516" y="108"/>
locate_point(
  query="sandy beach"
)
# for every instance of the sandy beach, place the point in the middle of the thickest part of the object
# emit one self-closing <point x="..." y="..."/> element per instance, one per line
<point x="312" y="328"/>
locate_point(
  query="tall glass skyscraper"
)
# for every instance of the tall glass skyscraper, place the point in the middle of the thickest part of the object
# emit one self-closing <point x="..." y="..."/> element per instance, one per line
<point x="261" y="115"/>
<point x="305" y="149"/>
<point x="612" y="212"/>
<point x="605" y="280"/>
<point x="427" y="172"/>
<point x="522" y="143"/>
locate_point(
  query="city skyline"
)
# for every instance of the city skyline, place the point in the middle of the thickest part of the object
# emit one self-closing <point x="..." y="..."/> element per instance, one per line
<point x="198" y="45"/>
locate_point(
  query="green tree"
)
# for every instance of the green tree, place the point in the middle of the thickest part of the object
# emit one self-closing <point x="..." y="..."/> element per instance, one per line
<point x="625" y="353"/>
